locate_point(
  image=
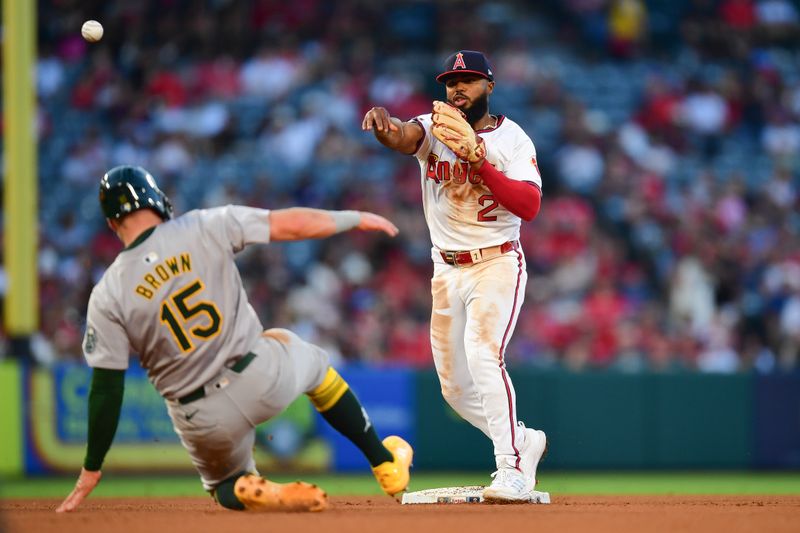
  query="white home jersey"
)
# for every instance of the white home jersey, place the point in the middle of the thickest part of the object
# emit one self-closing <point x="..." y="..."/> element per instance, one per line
<point x="175" y="298"/>
<point x="461" y="212"/>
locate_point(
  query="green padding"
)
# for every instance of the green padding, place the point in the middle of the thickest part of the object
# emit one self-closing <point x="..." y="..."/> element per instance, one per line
<point x="704" y="421"/>
<point x="604" y="420"/>
<point x="443" y="440"/>
<point x="593" y="420"/>
<point x="11" y="461"/>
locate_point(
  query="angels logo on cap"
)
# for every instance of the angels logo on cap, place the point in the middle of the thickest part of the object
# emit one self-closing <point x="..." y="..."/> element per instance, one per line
<point x="466" y="62"/>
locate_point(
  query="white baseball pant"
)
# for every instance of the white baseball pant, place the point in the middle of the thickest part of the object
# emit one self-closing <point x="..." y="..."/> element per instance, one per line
<point x="218" y="430"/>
<point x="475" y="310"/>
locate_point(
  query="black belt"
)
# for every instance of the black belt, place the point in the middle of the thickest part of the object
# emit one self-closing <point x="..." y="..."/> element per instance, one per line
<point x="200" y="392"/>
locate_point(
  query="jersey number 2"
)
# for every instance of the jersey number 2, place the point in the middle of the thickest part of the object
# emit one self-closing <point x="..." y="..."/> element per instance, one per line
<point x="186" y="311"/>
<point x="483" y="214"/>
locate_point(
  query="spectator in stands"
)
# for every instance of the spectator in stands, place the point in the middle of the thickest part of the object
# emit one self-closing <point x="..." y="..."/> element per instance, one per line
<point x="627" y="24"/>
<point x="704" y="113"/>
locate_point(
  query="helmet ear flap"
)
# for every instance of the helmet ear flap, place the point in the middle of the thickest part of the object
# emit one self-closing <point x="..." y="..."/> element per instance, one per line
<point x="126" y="189"/>
<point x="168" y="210"/>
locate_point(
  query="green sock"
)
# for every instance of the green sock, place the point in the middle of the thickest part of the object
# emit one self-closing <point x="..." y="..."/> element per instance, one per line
<point x="350" y="419"/>
<point x="225" y="496"/>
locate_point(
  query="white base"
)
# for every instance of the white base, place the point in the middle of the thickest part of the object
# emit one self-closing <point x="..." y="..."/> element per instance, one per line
<point x="472" y="494"/>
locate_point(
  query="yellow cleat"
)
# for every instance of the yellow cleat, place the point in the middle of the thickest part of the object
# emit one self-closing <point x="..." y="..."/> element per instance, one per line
<point x="259" y="494"/>
<point x="393" y="476"/>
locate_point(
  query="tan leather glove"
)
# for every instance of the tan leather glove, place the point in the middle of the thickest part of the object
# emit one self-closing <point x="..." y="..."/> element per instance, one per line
<point x="450" y="127"/>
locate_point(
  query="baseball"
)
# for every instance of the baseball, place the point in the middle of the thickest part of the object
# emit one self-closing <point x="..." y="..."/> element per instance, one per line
<point x="92" y="31"/>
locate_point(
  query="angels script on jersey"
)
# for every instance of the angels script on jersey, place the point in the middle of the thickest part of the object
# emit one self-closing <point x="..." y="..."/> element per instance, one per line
<point x="170" y="267"/>
<point x="440" y="171"/>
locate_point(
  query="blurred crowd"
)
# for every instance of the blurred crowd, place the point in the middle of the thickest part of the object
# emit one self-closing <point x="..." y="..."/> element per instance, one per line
<point x="668" y="136"/>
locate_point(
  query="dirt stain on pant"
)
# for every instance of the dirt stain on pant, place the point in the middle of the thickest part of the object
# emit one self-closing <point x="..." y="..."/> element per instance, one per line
<point x="441" y="343"/>
<point x="486" y="323"/>
<point x="280" y="335"/>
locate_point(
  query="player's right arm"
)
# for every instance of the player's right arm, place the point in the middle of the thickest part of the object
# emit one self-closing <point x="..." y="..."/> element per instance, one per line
<point x="105" y="405"/>
<point x="106" y="349"/>
<point x="393" y="132"/>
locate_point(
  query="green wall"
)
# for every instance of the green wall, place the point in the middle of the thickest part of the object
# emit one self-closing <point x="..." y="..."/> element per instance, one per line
<point x="605" y="420"/>
<point x="593" y="420"/>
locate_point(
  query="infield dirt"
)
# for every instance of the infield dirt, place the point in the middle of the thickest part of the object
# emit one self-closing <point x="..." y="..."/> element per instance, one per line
<point x="567" y="514"/>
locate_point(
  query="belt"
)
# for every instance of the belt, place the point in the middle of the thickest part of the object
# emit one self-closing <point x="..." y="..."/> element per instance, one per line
<point x="200" y="391"/>
<point x="469" y="257"/>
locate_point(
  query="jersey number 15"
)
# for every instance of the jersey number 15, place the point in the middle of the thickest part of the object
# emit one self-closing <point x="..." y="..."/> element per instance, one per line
<point x="178" y="324"/>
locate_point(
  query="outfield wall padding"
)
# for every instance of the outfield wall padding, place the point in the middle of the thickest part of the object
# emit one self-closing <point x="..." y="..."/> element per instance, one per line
<point x="593" y="421"/>
<point x="777" y="422"/>
<point x="620" y="421"/>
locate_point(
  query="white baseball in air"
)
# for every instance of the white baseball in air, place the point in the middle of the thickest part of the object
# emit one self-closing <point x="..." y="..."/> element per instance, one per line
<point x="92" y="31"/>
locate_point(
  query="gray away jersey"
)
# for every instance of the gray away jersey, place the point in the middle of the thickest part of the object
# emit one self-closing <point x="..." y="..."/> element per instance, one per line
<point x="176" y="299"/>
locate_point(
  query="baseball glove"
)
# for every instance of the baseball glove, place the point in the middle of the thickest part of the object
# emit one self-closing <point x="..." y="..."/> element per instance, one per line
<point x="450" y="127"/>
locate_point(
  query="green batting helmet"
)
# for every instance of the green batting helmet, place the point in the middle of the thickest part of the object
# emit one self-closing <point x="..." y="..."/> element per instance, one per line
<point x="126" y="189"/>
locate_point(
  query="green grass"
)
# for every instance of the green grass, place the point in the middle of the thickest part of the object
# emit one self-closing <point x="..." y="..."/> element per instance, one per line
<point x="554" y="482"/>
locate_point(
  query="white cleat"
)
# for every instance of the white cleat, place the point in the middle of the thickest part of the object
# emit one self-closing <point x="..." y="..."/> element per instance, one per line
<point x="511" y="485"/>
<point x="533" y="452"/>
<point x="508" y="486"/>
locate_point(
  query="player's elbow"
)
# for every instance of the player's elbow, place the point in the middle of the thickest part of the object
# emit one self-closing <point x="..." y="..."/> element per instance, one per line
<point x="532" y="207"/>
<point x="529" y="214"/>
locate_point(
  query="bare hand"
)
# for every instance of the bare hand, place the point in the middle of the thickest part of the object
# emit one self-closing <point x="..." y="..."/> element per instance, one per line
<point x="87" y="481"/>
<point x="373" y="222"/>
<point x="379" y="119"/>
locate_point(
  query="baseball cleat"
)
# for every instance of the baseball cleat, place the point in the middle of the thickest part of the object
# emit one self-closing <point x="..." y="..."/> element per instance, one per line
<point x="509" y="485"/>
<point x="512" y="485"/>
<point x="393" y="475"/>
<point x="259" y="494"/>
<point x="533" y="452"/>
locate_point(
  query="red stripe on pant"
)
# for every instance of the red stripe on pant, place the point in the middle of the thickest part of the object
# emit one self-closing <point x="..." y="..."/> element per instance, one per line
<point x="502" y="361"/>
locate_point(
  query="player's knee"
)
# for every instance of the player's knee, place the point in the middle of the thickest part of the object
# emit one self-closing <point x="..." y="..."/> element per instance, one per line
<point x="283" y="336"/>
<point x="292" y="341"/>
<point x="452" y="396"/>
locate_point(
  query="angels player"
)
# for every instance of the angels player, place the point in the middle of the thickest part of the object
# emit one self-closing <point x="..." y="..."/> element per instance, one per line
<point x="479" y="179"/>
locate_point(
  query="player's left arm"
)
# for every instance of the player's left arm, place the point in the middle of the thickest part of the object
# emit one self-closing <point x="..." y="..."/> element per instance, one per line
<point x="519" y="189"/>
<point x="298" y="223"/>
<point x="239" y="226"/>
<point x="105" y="405"/>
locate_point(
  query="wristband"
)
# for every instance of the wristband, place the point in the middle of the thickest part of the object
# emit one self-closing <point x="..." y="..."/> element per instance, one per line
<point x="345" y="220"/>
